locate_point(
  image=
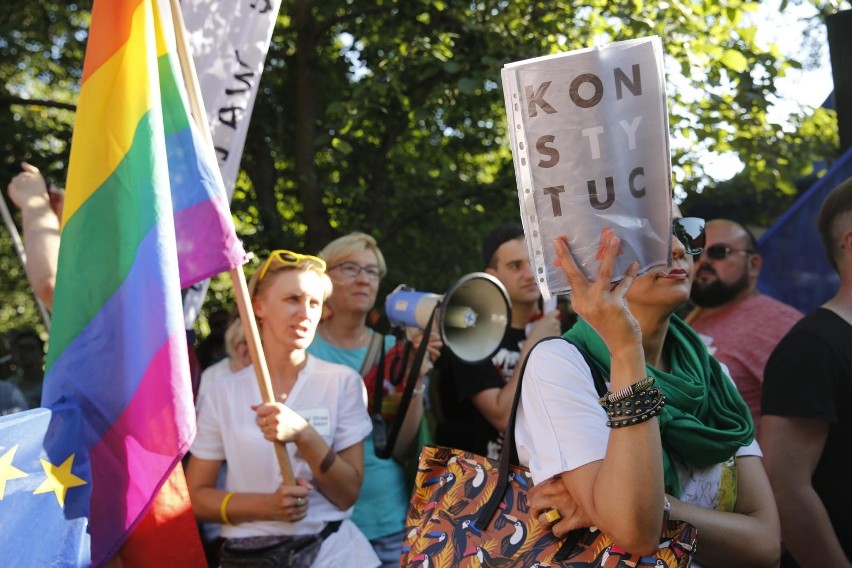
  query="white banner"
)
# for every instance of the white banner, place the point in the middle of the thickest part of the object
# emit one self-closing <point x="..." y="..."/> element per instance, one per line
<point x="590" y="142"/>
<point x="229" y="40"/>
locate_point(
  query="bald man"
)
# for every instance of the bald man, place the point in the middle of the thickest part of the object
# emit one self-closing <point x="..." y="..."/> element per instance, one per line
<point x="740" y="326"/>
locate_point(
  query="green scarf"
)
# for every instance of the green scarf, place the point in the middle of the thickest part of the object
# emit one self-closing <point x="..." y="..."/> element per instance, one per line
<point x="705" y="419"/>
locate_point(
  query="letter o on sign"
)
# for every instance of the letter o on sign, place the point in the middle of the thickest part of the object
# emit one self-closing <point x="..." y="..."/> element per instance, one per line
<point x="574" y="90"/>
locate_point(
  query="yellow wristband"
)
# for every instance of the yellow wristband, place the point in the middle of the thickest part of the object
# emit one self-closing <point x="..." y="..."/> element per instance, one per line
<point x="223" y="508"/>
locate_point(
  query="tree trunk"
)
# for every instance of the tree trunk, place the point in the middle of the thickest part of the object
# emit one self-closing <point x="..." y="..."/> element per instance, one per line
<point x="315" y="214"/>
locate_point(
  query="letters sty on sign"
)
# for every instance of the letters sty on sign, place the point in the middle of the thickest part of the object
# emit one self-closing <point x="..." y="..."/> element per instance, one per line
<point x="590" y="142"/>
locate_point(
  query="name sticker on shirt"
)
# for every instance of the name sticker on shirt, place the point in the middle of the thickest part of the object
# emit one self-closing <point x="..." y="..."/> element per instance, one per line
<point x="319" y="418"/>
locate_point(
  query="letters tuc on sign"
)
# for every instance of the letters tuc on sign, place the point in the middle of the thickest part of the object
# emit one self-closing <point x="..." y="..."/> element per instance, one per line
<point x="590" y="142"/>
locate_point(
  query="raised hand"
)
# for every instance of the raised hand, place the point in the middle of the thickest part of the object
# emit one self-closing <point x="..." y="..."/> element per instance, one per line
<point x="600" y="303"/>
<point x="28" y="188"/>
<point x="433" y="347"/>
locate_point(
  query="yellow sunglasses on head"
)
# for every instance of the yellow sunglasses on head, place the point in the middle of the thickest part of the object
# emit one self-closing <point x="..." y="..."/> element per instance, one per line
<point x="289" y="258"/>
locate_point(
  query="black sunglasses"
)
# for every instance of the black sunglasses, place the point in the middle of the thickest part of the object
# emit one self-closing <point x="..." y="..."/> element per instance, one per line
<point x="690" y="232"/>
<point x="721" y="251"/>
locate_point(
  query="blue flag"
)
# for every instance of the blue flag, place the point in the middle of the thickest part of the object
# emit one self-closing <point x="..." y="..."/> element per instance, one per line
<point x="45" y="486"/>
<point x="795" y="269"/>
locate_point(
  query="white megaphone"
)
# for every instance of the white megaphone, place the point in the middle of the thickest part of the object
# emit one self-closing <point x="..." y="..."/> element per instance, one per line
<point x="472" y="317"/>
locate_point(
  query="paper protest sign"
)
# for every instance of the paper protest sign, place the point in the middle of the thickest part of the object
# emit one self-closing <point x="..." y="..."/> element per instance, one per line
<point x="590" y="143"/>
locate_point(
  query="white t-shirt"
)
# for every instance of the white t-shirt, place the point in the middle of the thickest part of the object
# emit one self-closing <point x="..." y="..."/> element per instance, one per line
<point x="561" y="426"/>
<point x="332" y="398"/>
<point x="210" y="376"/>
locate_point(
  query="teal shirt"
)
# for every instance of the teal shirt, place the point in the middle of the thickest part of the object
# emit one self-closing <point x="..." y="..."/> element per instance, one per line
<point x="383" y="503"/>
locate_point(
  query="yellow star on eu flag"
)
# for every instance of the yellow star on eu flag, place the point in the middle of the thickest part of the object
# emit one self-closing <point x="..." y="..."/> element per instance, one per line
<point x="8" y="471"/>
<point x="59" y="479"/>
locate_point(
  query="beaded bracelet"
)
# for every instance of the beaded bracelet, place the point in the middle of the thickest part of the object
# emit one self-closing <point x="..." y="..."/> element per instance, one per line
<point x="628" y="391"/>
<point x="223" y="508"/>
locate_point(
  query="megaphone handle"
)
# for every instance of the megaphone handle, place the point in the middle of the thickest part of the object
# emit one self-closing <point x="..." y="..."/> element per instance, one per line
<point x="405" y="401"/>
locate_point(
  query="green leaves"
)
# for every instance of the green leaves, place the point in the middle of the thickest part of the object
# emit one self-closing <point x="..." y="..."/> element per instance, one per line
<point x="401" y="132"/>
<point x="734" y="60"/>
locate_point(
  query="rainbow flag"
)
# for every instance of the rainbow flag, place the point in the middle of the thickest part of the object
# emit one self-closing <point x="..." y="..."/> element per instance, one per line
<point x="145" y="214"/>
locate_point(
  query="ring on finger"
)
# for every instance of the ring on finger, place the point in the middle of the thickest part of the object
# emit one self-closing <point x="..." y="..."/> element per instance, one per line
<point x="552" y="516"/>
<point x="300" y="501"/>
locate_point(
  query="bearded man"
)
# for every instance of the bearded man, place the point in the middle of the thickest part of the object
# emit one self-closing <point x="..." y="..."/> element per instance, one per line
<point x="740" y="325"/>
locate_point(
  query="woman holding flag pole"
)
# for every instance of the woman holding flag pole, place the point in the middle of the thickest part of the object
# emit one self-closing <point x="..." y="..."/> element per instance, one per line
<point x="319" y="410"/>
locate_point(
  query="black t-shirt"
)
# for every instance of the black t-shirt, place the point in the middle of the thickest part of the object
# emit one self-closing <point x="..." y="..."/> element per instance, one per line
<point x="462" y="425"/>
<point x="809" y="375"/>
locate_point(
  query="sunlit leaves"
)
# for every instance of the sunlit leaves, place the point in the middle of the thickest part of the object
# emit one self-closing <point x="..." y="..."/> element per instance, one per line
<point x="398" y="106"/>
<point x="734" y="60"/>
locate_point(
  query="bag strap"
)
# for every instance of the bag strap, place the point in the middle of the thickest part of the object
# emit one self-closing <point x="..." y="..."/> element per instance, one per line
<point x="329" y="529"/>
<point x="509" y="437"/>
<point x="380" y="434"/>
<point x="376" y="343"/>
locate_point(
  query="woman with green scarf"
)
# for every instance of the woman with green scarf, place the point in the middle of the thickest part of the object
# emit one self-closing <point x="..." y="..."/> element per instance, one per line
<point x="688" y="449"/>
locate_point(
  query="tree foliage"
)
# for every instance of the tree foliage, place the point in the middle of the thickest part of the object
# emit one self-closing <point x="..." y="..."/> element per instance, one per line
<point x="387" y="116"/>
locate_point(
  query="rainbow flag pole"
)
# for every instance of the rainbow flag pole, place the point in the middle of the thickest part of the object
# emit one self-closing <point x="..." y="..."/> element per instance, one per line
<point x="237" y="274"/>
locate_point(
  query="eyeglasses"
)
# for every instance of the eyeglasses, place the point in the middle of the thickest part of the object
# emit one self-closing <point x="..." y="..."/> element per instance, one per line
<point x="289" y="258"/>
<point x="351" y="270"/>
<point x="690" y="232"/>
<point x="721" y="251"/>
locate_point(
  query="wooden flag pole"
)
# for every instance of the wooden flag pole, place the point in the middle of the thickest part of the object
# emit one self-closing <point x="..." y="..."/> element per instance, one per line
<point x="238" y="278"/>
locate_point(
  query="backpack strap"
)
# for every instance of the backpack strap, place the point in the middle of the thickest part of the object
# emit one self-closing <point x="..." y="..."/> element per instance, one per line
<point x="509" y="448"/>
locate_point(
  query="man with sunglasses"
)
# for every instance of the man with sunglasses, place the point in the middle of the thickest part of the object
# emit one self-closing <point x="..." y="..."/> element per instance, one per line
<point x="740" y="325"/>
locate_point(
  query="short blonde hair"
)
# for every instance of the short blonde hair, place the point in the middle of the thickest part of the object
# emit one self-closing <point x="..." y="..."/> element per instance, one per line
<point x="353" y="243"/>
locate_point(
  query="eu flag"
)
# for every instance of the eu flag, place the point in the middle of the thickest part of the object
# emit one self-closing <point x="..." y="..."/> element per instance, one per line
<point x="45" y="486"/>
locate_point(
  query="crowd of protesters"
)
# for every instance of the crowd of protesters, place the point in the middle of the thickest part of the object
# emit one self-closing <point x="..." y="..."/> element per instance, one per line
<point x="783" y="381"/>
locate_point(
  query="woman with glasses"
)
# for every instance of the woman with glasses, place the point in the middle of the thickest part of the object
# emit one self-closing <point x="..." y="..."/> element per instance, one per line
<point x="319" y="412"/>
<point x="356" y="266"/>
<point x="671" y="436"/>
